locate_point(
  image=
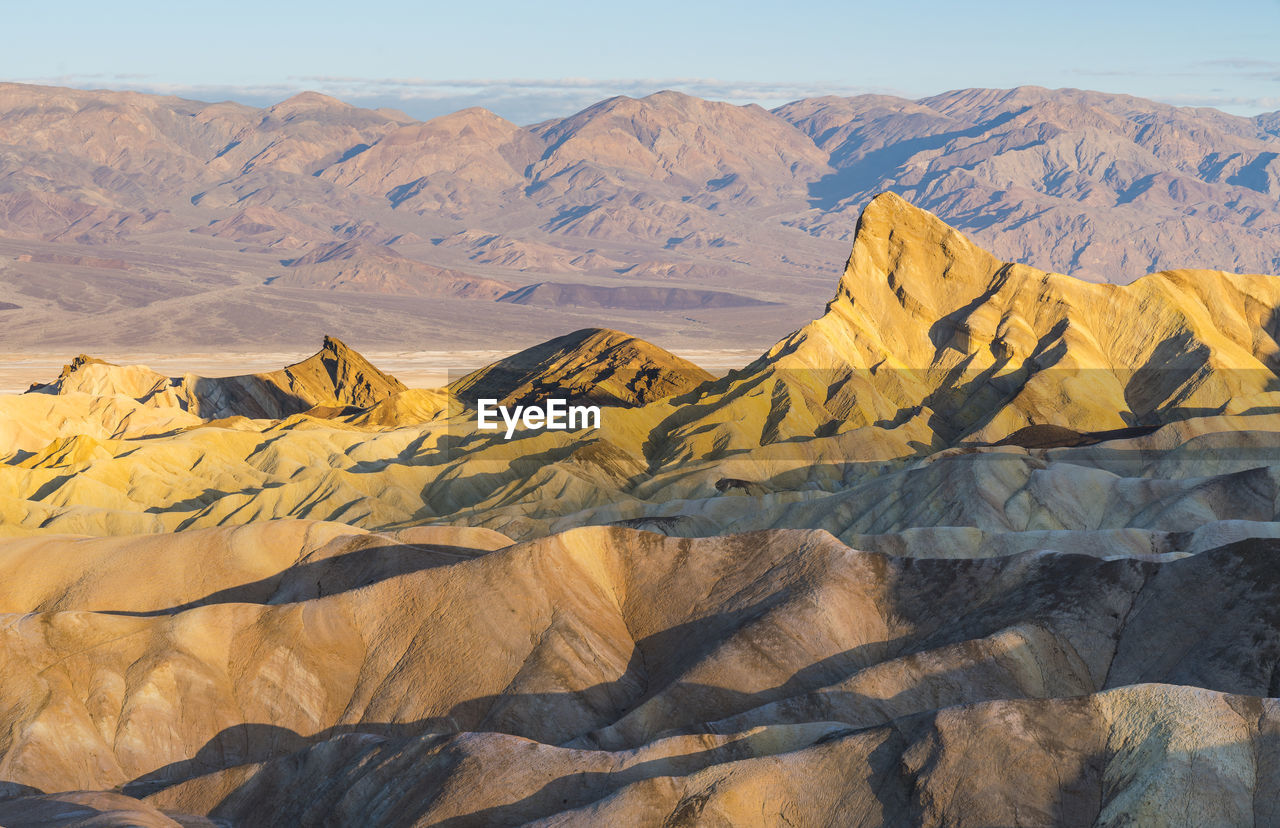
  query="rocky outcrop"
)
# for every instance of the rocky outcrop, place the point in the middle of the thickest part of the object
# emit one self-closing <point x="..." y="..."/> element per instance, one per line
<point x="931" y="333"/>
<point x="591" y="365"/>
<point x="935" y="362"/>
<point x="975" y="533"/>
<point x="336" y="376"/>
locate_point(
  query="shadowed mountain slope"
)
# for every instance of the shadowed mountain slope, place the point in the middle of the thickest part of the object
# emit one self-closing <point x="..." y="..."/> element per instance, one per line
<point x="1109" y="186"/>
<point x="730" y="153"/>
<point x="926" y="327"/>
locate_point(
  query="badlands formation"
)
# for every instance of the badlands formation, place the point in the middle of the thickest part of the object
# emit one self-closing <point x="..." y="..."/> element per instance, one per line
<point x="981" y="545"/>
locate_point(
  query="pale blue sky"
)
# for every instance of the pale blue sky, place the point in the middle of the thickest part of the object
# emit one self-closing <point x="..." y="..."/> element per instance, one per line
<point x="528" y="61"/>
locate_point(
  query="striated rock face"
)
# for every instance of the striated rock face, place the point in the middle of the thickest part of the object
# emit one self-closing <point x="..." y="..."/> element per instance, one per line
<point x="927" y="328"/>
<point x="935" y="362"/>
<point x="590" y="365"/>
<point x="339" y="375"/>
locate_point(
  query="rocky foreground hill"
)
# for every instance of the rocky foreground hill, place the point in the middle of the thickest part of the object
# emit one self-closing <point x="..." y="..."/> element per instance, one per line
<point x="981" y="545"/>
<point x="131" y="221"/>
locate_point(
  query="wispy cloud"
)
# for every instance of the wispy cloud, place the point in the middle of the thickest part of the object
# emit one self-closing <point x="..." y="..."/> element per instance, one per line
<point x="1242" y="64"/>
<point x="524" y="100"/>
<point x="1249" y="70"/>
<point x="1225" y="101"/>
<point x="1239" y="85"/>
<point x="1221" y="67"/>
<point x="144" y="83"/>
<point x="95" y="77"/>
<point x="709" y="87"/>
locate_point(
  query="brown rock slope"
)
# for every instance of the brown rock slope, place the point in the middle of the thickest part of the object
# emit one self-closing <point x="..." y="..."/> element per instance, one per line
<point x="1094" y="184"/>
<point x="459" y="161"/>
<point x="611" y="675"/>
<point x="930" y="333"/>
<point x="739" y="153"/>
<point x="591" y="365"/>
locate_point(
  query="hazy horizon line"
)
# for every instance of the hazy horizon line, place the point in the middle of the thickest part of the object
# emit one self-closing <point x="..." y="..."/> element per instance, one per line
<point x="528" y="101"/>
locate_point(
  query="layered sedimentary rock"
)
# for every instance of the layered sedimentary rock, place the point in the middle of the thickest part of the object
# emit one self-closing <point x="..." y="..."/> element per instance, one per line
<point x="926" y="326"/>
<point x="934" y="360"/>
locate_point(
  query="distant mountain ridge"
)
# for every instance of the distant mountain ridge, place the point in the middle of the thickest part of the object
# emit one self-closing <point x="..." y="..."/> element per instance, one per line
<point x="628" y="192"/>
<point x="1079" y="182"/>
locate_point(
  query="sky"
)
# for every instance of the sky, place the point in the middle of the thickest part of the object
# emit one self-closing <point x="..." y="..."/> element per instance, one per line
<point x="529" y="61"/>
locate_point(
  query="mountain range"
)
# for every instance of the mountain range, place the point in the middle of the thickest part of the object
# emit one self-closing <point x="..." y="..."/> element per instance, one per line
<point x="148" y="222"/>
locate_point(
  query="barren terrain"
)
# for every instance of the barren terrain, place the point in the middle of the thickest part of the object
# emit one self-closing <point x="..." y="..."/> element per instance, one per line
<point x="982" y="544"/>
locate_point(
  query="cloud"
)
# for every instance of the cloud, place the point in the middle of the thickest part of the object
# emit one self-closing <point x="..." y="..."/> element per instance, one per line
<point x="526" y="100"/>
<point x="1248" y="70"/>
<point x="1246" y="64"/>
<point x="1206" y="83"/>
<point x="706" y="86"/>
<point x="260" y="93"/>
<point x="1225" y="102"/>
<point x="530" y="100"/>
<point x="1223" y="67"/>
<point x="523" y="100"/>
